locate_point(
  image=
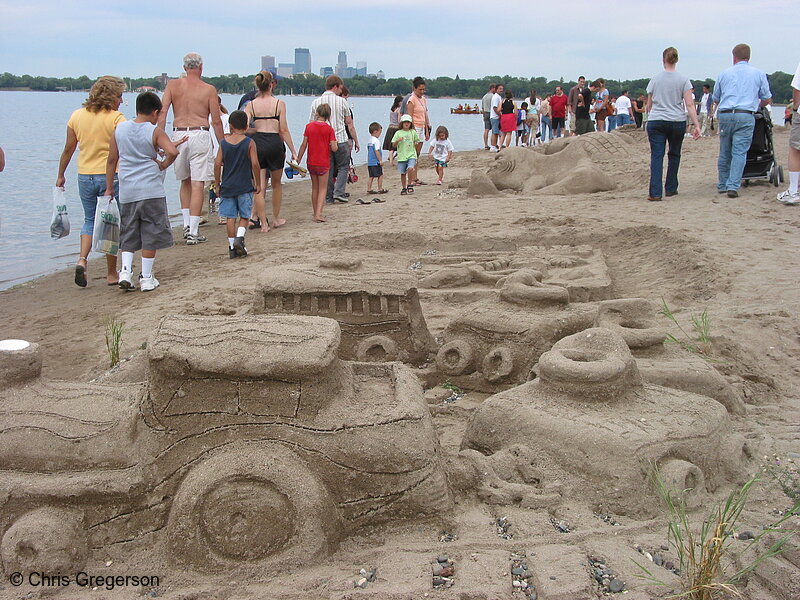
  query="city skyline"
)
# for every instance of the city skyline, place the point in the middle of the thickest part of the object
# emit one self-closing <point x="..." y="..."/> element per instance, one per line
<point x="452" y="38"/>
<point x="302" y="65"/>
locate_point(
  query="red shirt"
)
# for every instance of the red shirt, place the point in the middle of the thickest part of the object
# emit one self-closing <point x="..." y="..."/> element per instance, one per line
<point x="320" y="135"/>
<point x="558" y="105"/>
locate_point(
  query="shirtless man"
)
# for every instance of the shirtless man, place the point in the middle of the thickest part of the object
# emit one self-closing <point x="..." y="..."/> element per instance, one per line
<point x="192" y="101"/>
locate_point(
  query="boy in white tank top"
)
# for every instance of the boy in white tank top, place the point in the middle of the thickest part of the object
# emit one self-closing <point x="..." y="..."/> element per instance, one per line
<point x="144" y="220"/>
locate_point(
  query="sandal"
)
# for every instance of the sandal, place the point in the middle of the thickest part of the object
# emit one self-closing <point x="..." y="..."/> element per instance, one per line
<point x="378" y="201"/>
<point x="410" y="190"/>
<point x="363" y="202"/>
<point x="404" y="191"/>
<point x="372" y="192"/>
<point x="383" y="191"/>
<point x="255" y="223"/>
<point x="80" y="275"/>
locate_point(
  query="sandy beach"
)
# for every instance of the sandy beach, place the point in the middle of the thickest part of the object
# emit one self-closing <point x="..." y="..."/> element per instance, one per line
<point x="737" y="258"/>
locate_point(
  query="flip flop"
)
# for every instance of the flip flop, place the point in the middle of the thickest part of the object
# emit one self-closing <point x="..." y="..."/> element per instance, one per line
<point x="80" y="276"/>
<point x="378" y="201"/>
<point x="372" y="192"/>
<point x="363" y="202"/>
<point x="383" y="191"/>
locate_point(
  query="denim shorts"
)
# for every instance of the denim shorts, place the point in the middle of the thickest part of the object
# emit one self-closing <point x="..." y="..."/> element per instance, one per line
<point x="495" y="126"/>
<point x="405" y="165"/>
<point x="238" y="206"/>
<point x="89" y="188"/>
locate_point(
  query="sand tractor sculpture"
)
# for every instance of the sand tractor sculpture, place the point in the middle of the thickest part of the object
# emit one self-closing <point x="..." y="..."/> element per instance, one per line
<point x="251" y="444"/>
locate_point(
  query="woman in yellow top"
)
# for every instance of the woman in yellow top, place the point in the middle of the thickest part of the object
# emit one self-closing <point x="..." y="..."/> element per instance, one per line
<point x="90" y="129"/>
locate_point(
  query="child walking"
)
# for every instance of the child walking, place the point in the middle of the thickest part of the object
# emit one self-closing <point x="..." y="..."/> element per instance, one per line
<point x="144" y="220"/>
<point x="404" y="140"/>
<point x="237" y="162"/>
<point x="375" y="159"/>
<point x="442" y="151"/>
<point x="320" y="140"/>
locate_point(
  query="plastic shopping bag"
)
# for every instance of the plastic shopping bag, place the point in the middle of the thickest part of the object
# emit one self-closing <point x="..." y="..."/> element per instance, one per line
<point x="59" y="223"/>
<point x="105" y="237"/>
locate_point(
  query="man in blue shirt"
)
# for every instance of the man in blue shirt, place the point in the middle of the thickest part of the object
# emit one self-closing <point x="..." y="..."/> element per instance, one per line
<point x="739" y="92"/>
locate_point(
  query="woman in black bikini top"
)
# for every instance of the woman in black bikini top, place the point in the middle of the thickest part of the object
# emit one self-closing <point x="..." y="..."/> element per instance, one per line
<point x="271" y="141"/>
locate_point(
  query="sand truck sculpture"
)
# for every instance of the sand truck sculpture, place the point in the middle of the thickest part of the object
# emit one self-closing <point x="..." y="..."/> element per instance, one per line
<point x="250" y="444"/>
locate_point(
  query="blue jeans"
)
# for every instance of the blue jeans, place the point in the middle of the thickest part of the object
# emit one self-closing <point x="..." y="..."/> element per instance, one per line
<point x="660" y="133"/>
<point x="735" y="137"/>
<point x="89" y="188"/>
<point x="612" y="122"/>
<point x="623" y="119"/>
<point x="546" y="128"/>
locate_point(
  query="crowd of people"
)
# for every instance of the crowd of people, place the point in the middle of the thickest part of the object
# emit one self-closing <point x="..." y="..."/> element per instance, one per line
<point x="244" y="152"/>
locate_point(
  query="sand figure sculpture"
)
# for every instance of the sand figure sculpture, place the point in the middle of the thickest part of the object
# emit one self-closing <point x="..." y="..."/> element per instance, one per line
<point x="469" y="276"/>
<point x="378" y="310"/>
<point x="583" y="165"/>
<point x="251" y="445"/>
<point x="595" y="425"/>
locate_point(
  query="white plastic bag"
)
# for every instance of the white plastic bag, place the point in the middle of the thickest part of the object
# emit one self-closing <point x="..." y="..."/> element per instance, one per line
<point x="105" y="237"/>
<point x="59" y="223"/>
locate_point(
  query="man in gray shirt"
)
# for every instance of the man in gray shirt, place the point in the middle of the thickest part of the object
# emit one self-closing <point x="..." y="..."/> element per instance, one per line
<point x="342" y="122"/>
<point x="486" y="108"/>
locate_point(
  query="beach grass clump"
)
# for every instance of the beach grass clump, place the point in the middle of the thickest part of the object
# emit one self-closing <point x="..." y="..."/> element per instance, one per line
<point x="113" y="333"/>
<point x="700" y="342"/>
<point x="707" y="567"/>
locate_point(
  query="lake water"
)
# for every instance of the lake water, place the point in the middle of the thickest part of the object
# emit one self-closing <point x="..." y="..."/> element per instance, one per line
<point x="32" y="130"/>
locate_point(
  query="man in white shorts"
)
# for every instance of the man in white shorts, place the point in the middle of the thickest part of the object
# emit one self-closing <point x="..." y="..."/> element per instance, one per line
<point x="792" y="195"/>
<point x="193" y="101"/>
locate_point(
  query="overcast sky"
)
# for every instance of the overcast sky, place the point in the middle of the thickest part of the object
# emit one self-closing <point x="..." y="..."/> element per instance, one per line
<point x="402" y="38"/>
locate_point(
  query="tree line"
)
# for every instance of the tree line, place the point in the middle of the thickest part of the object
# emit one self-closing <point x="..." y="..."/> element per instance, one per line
<point x="454" y="87"/>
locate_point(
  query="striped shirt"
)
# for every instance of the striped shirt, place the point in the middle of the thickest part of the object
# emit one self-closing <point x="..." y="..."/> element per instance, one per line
<point x="339" y="111"/>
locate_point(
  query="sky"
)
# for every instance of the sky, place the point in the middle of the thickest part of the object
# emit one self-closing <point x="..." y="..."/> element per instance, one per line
<point x="622" y="40"/>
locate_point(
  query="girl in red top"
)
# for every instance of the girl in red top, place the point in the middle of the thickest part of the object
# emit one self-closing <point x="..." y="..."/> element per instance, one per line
<point x="320" y="140"/>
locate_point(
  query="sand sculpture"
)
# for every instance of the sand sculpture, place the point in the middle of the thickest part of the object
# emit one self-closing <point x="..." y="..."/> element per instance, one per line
<point x="521" y="302"/>
<point x="580" y="167"/>
<point x="250" y="445"/>
<point x="590" y="389"/>
<point x="378" y="310"/>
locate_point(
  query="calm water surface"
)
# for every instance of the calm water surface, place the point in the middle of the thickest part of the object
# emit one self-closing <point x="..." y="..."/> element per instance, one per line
<point x="32" y="130"/>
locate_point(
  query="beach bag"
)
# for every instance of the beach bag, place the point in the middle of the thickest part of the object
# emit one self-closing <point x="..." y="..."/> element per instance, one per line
<point x="105" y="237"/>
<point x="59" y="223"/>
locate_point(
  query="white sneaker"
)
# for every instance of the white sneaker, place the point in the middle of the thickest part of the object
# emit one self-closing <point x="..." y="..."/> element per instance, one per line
<point x="126" y="280"/>
<point x="494" y="149"/>
<point x="193" y="240"/>
<point x="148" y="284"/>
<point x="788" y="197"/>
<point x="186" y="232"/>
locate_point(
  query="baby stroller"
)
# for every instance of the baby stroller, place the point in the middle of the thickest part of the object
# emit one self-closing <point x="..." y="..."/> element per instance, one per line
<point x="761" y="163"/>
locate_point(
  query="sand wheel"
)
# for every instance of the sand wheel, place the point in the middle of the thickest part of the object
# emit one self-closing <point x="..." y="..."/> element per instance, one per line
<point x="253" y="503"/>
